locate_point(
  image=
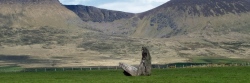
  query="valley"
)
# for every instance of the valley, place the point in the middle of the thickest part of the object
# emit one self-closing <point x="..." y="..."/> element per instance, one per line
<point x="45" y="33"/>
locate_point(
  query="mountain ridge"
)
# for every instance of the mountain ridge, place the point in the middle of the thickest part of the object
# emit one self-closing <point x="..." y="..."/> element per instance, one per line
<point x="28" y="1"/>
<point x="90" y="13"/>
<point x="179" y="16"/>
<point x="210" y="7"/>
<point x="202" y="28"/>
<point x="169" y="19"/>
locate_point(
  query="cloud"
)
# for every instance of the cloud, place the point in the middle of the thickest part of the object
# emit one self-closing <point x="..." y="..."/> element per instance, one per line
<point x="133" y="6"/>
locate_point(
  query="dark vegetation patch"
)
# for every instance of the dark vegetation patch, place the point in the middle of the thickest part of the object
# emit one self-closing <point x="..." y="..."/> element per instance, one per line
<point x="4" y="20"/>
<point x="212" y="7"/>
<point x="26" y="36"/>
<point x="196" y="45"/>
<point x="243" y="29"/>
<point x="114" y="44"/>
<point x="21" y="59"/>
<point x="98" y="46"/>
<point x="218" y="60"/>
<point x="163" y="20"/>
<point x="231" y="46"/>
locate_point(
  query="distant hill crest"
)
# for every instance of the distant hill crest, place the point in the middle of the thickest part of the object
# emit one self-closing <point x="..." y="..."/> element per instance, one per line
<point x="89" y="13"/>
<point x="204" y="7"/>
<point x="28" y="1"/>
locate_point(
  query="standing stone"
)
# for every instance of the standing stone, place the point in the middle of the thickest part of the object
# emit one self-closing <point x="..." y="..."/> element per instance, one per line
<point x="144" y="68"/>
<point x="145" y="65"/>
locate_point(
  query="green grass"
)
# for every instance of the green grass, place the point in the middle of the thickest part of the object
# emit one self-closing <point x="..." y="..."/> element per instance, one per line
<point x="186" y="75"/>
<point x="10" y="69"/>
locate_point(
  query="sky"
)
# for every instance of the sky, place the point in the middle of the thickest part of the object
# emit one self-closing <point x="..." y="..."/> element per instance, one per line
<point x="133" y="6"/>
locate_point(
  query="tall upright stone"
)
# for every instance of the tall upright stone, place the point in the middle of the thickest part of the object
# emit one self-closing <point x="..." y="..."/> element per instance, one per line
<point x="145" y="65"/>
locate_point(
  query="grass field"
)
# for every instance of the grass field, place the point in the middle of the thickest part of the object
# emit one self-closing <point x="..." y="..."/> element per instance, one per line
<point x="185" y="75"/>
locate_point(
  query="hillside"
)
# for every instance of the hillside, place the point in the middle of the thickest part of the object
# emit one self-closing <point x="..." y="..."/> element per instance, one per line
<point x="36" y="21"/>
<point x="44" y="33"/>
<point x="179" y="30"/>
<point x="106" y="21"/>
<point x="31" y="29"/>
<point x="193" y="17"/>
<point x="30" y="13"/>
<point x="174" y="18"/>
<point x="203" y="28"/>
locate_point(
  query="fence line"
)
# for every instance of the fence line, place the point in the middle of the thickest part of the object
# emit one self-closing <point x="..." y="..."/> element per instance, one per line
<point x="154" y="66"/>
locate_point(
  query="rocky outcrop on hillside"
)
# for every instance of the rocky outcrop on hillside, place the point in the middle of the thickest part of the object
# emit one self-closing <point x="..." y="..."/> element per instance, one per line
<point x="89" y="13"/>
<point x="204" y="7"/>
<point x="186" y="17"/>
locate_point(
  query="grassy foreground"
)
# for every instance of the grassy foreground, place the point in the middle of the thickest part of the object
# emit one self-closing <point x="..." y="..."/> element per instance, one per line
<point x="186" y="75"/>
